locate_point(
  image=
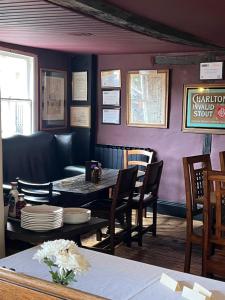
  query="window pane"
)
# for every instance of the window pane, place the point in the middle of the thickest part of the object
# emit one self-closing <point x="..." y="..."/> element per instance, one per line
<point x="16" y="82"/>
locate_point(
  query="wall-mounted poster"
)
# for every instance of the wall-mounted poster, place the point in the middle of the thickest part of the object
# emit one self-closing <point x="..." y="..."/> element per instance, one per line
<point x="53" y="99"/>
<point x="111" y="79"/>
<point x="204" y="108"/>
<point x="80" y="116"/>
<point x="111" y="116"/>
<point x="147" y="99"/>
<point x="111" y="97"/>
<point x="79" y="86"/>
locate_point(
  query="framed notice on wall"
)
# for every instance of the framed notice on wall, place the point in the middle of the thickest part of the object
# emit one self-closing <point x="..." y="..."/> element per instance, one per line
<point x="204" y="108"/>
<point x="79" y="86"/>
<point x="80" y="116"/>
<point x="52" y="99"/>
<point x="147" y="99"/>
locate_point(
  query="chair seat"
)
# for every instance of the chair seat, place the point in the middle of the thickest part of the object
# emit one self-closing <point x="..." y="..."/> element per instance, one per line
<point x="148" y="198"/>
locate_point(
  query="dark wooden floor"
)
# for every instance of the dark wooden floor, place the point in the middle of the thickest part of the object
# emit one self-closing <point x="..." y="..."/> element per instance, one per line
<point x="166" y="250"/>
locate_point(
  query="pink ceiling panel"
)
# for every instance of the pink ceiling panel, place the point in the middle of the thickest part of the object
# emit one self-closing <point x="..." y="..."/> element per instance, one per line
<point x="41" y="24"/>
<point x="203" y="18"/>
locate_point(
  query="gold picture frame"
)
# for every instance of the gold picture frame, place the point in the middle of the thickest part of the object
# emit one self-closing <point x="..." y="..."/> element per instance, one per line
<point x="204" y="108"/>
<point x="147" y="98"/>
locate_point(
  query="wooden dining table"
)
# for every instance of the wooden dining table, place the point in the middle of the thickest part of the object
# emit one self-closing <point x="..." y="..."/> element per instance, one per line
<point x="76" y="190"/>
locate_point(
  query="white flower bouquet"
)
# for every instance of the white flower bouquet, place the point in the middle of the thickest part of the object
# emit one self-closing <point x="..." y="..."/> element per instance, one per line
<point x="63" y="259"/>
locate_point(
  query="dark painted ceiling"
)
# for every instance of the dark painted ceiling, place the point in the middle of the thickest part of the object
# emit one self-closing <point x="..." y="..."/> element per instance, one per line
<point x="45" y="25"/>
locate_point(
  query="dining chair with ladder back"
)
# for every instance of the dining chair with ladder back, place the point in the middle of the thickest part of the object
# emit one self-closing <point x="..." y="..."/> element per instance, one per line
<point x="113" y="208"/>
<point x="193" y="167"/>
<point x="148" y="198"/>
<point x="137" y="157"/>
<point x="38" y="193"/>
<point x="140" y="158"/>
<point x="214" y="226"/>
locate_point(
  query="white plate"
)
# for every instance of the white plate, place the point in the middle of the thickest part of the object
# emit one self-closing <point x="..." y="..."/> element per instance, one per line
<point x="40" y="229"/>
<point x="42" y="209"/>
<point x="76" y="215"/>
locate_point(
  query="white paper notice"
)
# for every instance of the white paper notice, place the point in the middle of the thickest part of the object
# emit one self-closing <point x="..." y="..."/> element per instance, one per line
<point x="111" y="116"/>
<point x="211" y="70"/>
<point x="80" y="116"/>
<point x="79" y="86"/>
<point x="111" y="97"/>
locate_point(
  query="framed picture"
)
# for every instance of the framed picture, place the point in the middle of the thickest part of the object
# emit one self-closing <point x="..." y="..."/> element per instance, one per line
<point x="111" y="97"/>
<point x="79" y="86"/>
<point x="204" y="108"/>
<point x="80" y="116"/>
<point x="147" y="98"/>
<point x="111" y="116"/>
<point x="53" y="95"/>
<point x="111" y="79"/>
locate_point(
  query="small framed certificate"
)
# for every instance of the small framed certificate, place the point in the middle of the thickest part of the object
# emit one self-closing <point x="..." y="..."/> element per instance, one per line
<point x="111" y="97"/>
<point x="80" y="116"/>
<point x="111" y="79"/>
<point x="111" y="116"/>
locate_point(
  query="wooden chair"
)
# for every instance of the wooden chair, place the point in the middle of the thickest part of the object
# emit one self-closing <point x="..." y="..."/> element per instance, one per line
<point x="137" y="157"/>
<point x="148" y="197"/>
<point x="214" y="226"/>
<point x="193" y="177"/>
<point x="38" y="193"/>
<point x="114" y="208"/>
<point x="18" y="286"/>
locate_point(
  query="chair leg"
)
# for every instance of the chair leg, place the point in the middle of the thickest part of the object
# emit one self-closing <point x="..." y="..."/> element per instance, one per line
<point x="112" y="238"/>
<point x="140" y="226"/>
<point x="129" y="225"/>
<point x="154" y="224"/>
<point x="187" y="261"/>
<point x="99" y="235"/>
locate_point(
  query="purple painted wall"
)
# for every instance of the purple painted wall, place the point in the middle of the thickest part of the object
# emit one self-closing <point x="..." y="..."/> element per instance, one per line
<point x="170" y="144"/>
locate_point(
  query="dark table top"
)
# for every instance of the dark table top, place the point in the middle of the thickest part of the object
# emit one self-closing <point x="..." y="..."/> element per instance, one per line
<point x="15" y="232"/>
<point x="78" y="185"/>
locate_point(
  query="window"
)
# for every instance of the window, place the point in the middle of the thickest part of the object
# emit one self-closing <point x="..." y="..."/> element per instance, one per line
<point x="17" y="93"/>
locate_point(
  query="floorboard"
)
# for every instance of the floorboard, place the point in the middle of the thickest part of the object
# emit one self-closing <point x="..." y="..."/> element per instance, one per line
<point x="165" y="250"/>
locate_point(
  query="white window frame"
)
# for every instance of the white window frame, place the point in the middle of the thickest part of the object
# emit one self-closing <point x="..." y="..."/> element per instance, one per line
<point x="35" y="110"/>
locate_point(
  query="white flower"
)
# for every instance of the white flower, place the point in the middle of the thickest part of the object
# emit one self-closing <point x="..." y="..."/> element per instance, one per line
<point x="64" y="254"/>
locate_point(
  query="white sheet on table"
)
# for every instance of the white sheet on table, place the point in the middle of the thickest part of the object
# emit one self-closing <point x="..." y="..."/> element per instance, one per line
<point x="116" y="278"/>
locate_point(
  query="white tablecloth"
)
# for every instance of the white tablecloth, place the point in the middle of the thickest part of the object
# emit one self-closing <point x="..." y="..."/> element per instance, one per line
<point x="116" y="278"/>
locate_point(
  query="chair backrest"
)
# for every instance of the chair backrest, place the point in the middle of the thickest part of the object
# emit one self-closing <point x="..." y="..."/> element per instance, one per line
<point x="193" y="178"/>
<point x="222" y="160"/>
<point x="35" y="189"/>
<point x="125" y="186"/>
<point x="152" y="179"/>
<point x="137" y="157"/>
<point x="214" y="227"/>
<point x="18" y="286"/>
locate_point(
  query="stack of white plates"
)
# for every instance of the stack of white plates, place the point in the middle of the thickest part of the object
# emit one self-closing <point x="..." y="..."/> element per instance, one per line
<point x="41" y="217"/>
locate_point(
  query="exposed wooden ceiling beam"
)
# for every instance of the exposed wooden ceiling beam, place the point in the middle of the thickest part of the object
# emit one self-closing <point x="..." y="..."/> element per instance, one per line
<point x="109" y="13"/>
